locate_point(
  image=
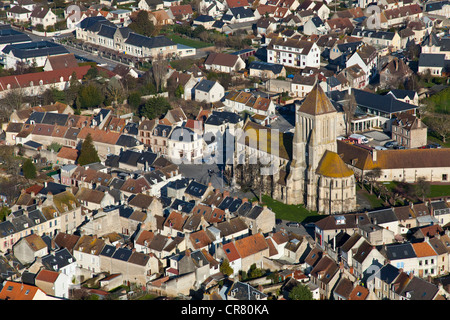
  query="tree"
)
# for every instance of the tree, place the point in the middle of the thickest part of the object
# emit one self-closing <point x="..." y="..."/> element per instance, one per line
<point x="159" y="71"/>
<point x="29" y="169"/>
<point x="155" y="107"/>
<point x="439" y="123"/>
<point x="300" y="292"/>
<point x="373" y="176"/>
<point x="422" y="188"/>
<point x="225" y="268"/>
<point x="90" y="96"/>
<point x="88" y="154"/>
<point x="349" y="107"/>
<point x="142" y="24"/>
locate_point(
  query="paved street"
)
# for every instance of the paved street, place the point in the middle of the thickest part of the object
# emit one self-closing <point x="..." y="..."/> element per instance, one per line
<point x="200" y="173"/>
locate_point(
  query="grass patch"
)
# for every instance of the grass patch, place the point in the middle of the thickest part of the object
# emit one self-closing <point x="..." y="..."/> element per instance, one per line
<point x="189" y="42"/>
<point x="290" y="212"/>
<point x="439" y="190"/>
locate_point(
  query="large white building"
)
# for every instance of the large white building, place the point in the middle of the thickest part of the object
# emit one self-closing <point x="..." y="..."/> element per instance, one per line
<point x="293" y="53"/>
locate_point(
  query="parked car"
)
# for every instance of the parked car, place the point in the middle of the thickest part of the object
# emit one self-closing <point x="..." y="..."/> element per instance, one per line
<point x="399" y="147"/>
<point x="380" y="148"/>
<point x="293" y="224"/>
<point x="435" y="146"/>
<point x="361" y="138"/>
<point x="391" y="144"/>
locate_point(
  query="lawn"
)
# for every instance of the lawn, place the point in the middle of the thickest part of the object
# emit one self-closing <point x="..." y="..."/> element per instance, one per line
<point x="290" y="212"/>
<point x="189" y="42"/>
<point x="439" y="190"/>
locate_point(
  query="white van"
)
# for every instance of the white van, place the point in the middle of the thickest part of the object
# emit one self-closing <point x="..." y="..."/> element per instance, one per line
<point x="361" y="139"/>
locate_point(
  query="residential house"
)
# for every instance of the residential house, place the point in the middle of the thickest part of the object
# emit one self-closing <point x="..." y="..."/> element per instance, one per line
<point x="160" y="18"/>
<point x="224" y="62"/>
<point x="325" y="275"/>
<point x="314" y="26"/>
<point x="204" y="20"/>
<point x="409" y="131"/>
<point x="208" y="91"/>
<point x="367" y="58"/>
<point x="87" y="253"/>
<point x="53" y="283"/>
<point x="20" y="291"/>
<point x="181" y="12"/>
<point x="18" y="14"/>
<point x="244" y="292"/>
<point x="394" y="72"/>
<point x="293" y="53"/>
<point x="42" y="16"/>
<point x="27" y="249"/>
<point x="402" y="256"/>
<point x="266" y="70"/>
<point x="150" y="5"/>
<point x="378" y="38"/>
<point x="436" y="64"/>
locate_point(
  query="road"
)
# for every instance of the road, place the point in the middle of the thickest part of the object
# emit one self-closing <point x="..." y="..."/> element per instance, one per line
<point x="110" y="64"/>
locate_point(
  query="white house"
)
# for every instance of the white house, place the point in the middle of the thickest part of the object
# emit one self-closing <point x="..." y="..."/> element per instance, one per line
<point x="224" y="62"/>
<point x="42" y="16"/>
<point x="294" y="53"/>
<point x="208" y="91"/>
<point x="184" y="145"/>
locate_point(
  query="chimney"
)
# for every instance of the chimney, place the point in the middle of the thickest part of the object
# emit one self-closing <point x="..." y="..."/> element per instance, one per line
<point x="374" y="155"/>
<point x="244" y="200"/>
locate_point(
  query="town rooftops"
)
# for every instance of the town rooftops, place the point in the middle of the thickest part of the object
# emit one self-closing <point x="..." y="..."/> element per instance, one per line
<point x="261" y="65"/>
<point x="35" y="49"/>
<point x="10" y="36"/>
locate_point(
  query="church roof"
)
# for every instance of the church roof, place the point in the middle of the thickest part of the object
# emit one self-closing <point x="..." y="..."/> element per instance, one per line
<point x="252" y="137"/>
<point x="316" y="102"/>
<point x="331" y="165"/>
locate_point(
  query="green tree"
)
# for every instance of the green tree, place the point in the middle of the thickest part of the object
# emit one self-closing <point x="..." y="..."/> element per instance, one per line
<point x="155" y="107"/>
<point x="225" y="268"/>
<point x="134" y="100"/>
<point x="300" y="292"/>
<point x="88" y="154"/>
<point x="4" y="212"/>
<point x="29" y="169"/>
<point x="255" y="272"/>
<point x="142" y="24"/>
<point x="179" y="91"/>
<point x="90" y="96"/>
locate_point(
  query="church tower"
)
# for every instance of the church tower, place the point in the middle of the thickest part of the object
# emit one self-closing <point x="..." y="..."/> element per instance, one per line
<point x="315" y="133"/>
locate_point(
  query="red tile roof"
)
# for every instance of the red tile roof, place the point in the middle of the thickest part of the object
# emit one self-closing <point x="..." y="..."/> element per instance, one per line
<point x="237" y="3"/>
<point x="47" y="77"/>
<point x="47" y="276"/>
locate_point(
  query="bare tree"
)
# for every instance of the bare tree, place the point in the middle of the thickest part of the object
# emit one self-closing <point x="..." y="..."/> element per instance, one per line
<point x="12" y="101"/>
<point x="159" y="71"/>
<point x="422" y="188"/>
<point x="349" y="106"/>
<point x="439" y="123"/>
<point x="372" y="176"/>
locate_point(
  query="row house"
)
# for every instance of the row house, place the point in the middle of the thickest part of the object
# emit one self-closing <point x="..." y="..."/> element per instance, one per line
<point x="98" y="30"/>
<point x="378" y="38"/>
<point x="398" y="16"/>
<point x="293" y="53"/>
<point x="395" y="284"/>
<point x="135" y="266"/>
<point x="60" y="212"/>
<point x="33" y="84"/>
<point x="238" y="101"/>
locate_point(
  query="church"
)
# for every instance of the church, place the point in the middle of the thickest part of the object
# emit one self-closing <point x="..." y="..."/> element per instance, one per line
<point x="308" y="169"/>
